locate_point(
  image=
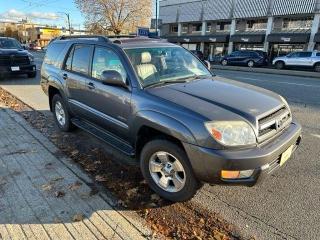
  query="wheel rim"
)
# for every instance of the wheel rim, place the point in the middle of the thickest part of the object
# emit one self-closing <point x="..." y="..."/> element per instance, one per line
<point x="167" y="171"/>
<point x="60" y="114"/>
<point x="250" y="64"/>
<point x="224" y="62"/>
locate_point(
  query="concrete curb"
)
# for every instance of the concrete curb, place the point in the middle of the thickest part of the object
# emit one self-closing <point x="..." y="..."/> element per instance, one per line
<point x="268" y="71"/>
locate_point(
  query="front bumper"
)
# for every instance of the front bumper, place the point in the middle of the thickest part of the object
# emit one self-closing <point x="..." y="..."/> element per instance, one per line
<point x="23" y="69"/>
<point x="208" y="163"/>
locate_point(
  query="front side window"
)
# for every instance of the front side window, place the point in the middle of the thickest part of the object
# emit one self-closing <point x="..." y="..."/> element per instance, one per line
<point x="165" y="64"/>
<point x="80" y="60"/>
<point x="105" y="59"/>
<point x="305" y="54"/>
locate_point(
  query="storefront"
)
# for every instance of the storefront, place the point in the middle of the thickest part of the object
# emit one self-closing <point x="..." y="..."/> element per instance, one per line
<point x="317" y="41"/>
<point x="248" y="41"/>
<point x="214" y="46"/>
<point x="281" y="44"/>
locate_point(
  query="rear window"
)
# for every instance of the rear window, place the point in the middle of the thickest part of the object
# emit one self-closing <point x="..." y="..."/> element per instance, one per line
<point x="52" y="54"/>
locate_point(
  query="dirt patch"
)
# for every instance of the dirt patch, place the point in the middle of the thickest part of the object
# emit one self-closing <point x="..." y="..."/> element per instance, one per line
<point x="122" y="177"/>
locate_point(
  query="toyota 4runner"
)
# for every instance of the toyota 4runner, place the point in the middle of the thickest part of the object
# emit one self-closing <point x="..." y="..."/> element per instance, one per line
<point x="158" y="103"/>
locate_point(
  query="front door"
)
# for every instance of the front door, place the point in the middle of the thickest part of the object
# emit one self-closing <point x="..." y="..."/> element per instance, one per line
<point x="111" y="105"/>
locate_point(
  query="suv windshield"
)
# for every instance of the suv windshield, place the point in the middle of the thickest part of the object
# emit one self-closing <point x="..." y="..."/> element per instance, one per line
<point x="165" y="65"/>
<point x="7" y="43"/>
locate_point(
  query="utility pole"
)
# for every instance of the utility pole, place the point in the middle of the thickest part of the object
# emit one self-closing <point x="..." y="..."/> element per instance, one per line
<point x="68" y="18"/>
<point x="157" y="17"/>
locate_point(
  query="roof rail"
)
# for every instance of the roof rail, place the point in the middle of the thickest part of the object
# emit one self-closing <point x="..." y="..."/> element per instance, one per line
<point x="137" y="39"/>
<point x="98" y="37"/>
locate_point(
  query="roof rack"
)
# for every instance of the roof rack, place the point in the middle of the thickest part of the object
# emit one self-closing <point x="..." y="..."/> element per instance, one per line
<point x="98" y="37"/>
<point x="138" y="39"/>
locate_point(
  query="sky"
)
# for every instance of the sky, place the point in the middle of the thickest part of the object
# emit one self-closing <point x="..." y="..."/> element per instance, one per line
<point x="49" y="12"/>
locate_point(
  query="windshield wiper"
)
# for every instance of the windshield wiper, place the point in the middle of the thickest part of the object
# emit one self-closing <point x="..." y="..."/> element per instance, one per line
<point x="156" y="84"/>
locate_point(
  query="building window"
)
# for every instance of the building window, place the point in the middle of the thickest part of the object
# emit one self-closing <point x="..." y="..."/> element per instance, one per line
<point x="209" y="27"/>
<point x="301" y="23"/>
<point x="223" y="27"/>
<point x="174" y="28"/>
<point x="184" y="28"/>
<point x="197" y="27"/>
<point x="255" y="25"/>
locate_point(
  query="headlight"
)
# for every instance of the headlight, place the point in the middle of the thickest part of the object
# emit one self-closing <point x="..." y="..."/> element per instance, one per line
<point x="231" y="133"/>
<point x="31" y="58"/>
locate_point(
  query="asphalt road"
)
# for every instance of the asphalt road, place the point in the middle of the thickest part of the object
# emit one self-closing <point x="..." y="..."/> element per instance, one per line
<point x="286" y="205"/>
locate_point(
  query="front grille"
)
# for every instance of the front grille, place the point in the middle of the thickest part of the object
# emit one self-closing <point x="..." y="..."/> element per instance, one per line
<point x="14" y="60"/>
<point x="5" y="61"/>
<point x="273" y="123"/>
<point x="20" y="60"/>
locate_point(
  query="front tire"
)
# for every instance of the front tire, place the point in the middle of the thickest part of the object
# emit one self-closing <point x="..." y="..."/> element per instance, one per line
<point x="317" y="67"/>
<point x="32" y="75"/>
<point x="61" y="114"/>
<point x="167" y="169"/>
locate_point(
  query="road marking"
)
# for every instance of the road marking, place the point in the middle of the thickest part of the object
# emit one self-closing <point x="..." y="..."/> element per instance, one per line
<point x="289" y="83"/>
<point x="315" y="135"/>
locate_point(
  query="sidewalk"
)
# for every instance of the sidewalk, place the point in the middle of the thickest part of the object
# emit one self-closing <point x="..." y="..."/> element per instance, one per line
<point x="45" y="197"/>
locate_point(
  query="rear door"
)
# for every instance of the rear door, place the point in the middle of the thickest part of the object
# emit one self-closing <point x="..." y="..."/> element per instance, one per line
<point x="76" y="73"/>
<point x="305" y="59"/>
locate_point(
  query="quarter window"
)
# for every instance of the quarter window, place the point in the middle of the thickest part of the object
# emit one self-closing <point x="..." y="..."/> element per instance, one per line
<point x="105" y="59"/>
<point x="53" y="53"/>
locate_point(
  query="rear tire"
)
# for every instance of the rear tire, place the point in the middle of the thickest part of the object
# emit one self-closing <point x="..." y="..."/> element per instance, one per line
<point x="61" y="114"/>
<point x="250" y="64"/>
<point x="317" y="67"/>
<point x="162" y="159"/>
<point x="280" y="65"/>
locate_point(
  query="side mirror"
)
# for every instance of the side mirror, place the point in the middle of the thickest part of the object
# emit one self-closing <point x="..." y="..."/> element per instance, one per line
<point x="112" y="77"/>
<point x="207" y="63"/>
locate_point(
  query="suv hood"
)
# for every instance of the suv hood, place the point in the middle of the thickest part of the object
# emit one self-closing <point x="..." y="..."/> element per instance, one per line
<point x="21" y="52"/>
<point x="211" y="98"/>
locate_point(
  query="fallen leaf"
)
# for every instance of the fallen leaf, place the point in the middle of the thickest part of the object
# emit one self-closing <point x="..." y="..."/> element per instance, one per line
<point x="131" y="192"/>
<point x="75" y="186"/>
<point x="59" y="194"/>
<point x="78" y="217"/>
<point x="218" y="235"/>
<point x="46" y="187"/>
<point x="100" y="178"/>
<point x="74" y="152"/>
<point x="154" y="197"/>
<point x="57" y="179"/>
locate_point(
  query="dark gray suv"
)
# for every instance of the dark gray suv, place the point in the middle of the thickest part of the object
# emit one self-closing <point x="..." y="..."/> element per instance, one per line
<point x="158" y="103"/>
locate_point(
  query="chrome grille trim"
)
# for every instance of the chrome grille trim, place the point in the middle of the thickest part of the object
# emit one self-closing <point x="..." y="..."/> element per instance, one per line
<point x="273" y="123"/>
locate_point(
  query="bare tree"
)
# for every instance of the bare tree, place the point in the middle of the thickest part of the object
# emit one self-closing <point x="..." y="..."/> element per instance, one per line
<point x="115" y="16"/>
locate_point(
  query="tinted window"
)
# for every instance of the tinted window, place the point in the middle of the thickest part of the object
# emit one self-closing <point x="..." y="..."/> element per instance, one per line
<point x="69" y="61"/>
<point x="53" y="53"/>
<point x="105" y="59"/>
<point x="80" y="59"/>
<point x="234" y="54"/>
<point x="305" y="54"/>
<point x="9" y="43"/>
<point x="318" y="54"/>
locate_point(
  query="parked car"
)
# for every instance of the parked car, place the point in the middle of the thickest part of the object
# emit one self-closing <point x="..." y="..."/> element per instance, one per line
<point x="246" y="58"/>
<point x="34" y="47"/>
<point x="14" y="59"/>
<point x="300" y="60"/>
<point x="156" y="102"/>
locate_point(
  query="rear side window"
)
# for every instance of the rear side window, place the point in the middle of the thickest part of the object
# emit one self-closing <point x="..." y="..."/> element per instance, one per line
<point x="52" y="54"/>
<point x="318" y="54"/>
<point x="305" y="54"/>
<point x="79" y="59"/>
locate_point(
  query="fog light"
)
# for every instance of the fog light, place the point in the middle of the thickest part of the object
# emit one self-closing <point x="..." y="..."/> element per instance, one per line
<point x="236" y="174"/>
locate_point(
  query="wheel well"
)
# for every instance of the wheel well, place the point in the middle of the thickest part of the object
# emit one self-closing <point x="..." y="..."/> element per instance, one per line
<point x="51" y="92"/>
<point x="280" y="61"/>
<point x="146" y="134"/>
<point x="315" y="64"/>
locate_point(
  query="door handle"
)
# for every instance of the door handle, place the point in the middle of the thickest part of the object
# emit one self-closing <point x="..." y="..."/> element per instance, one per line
<point x="91" y="85"/>
<point x="65" y="76"/>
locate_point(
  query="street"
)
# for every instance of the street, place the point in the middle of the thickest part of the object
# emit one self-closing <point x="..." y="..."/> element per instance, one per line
<point x="286" y="205"/>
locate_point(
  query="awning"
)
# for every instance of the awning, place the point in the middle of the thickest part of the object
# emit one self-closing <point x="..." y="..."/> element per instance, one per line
<point x="223" y="38"/>
<point x="288" y="37"/>
<point x="317" y="37"/>
<point x="247" y="38"/>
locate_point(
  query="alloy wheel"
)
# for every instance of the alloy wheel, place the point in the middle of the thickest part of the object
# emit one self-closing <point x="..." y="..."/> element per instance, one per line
<point x="60" y="114"/>
<point x="167" y="171"/>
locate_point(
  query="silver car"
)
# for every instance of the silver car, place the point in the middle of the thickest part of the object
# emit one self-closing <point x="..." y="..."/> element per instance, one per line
<point x="299" y="59"/>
